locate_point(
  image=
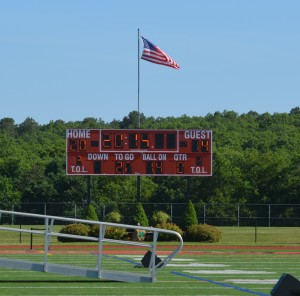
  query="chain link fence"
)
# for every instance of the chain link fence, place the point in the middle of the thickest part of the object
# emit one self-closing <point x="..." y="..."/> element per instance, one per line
<point x="266" y="215"/>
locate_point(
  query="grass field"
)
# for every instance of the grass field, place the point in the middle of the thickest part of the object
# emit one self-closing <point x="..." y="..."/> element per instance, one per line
<point x="230" y="236"/>
<point x="234" y="266"/>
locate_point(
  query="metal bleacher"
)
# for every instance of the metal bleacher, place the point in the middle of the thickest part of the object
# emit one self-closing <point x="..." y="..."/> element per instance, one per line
<point x="98" y="272"/>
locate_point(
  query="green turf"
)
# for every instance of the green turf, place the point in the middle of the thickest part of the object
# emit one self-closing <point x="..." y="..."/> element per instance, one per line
<point x="185" y="276"/>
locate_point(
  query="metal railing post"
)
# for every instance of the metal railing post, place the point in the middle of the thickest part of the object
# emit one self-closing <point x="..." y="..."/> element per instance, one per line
<point x="46" y="244"/>
<point x="100" y="249"/>
<point x="238" y="211"/>
<point x="269" y="215"/>
<point x="12" y="216"/>
<point x="103" y="213"/>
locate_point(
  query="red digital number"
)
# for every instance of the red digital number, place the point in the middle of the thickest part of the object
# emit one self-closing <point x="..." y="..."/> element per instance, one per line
<point x="179" y="168"/>
<point x="82" y="145"/>
<point x="73" y="145"/>
<point x="123" y="168"/>
<point x="204" y="145"/>
<point x="106" y="142"/>
<point x="118" y="141"/>
<point x="145" y="141"/>
<point x="154" y="167"/>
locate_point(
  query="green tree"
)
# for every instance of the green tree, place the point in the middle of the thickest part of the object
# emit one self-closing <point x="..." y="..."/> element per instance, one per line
<point x="189" y="216"/>
<point x="255" y="160"/>
<point x="140" y="217"/>
<point x="91" y="213"/>
<point x="9" y="195"/>
<point x="132" y="120"/>
<point x="8" y="125"/>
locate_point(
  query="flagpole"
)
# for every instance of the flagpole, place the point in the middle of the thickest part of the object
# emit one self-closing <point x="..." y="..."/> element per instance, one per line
<point x="138" y="178"/>
<point x="139" y="117"/>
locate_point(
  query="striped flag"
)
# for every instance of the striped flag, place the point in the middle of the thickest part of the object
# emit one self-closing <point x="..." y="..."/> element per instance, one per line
<point x="154" y="54"/>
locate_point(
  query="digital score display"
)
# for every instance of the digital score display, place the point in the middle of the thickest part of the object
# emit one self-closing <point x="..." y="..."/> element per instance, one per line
<point x="139" y="152"/>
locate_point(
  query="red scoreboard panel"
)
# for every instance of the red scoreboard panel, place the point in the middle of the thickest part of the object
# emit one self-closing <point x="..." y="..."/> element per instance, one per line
<point x="139" y="152"/>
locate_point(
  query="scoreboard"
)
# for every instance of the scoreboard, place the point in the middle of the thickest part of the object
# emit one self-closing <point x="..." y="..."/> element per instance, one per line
<point x="139" y="152"/>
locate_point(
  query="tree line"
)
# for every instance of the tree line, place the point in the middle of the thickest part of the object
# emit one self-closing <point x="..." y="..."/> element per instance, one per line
<point x="256" y="159"/>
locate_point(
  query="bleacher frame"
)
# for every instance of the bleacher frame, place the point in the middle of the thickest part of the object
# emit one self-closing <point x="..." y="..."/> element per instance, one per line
<point x="98" y="272"/>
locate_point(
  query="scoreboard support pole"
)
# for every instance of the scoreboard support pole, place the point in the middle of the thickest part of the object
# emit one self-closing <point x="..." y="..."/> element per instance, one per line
<point x="138" y="188"/>
<point x="88" y="191"/>
<point x="188" y="188"/>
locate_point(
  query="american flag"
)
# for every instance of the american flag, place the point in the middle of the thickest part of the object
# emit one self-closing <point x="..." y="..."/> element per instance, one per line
<point x="154" y="54"/>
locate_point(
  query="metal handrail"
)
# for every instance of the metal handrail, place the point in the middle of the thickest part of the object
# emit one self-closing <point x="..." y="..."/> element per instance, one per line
<point x="100" y="273"/>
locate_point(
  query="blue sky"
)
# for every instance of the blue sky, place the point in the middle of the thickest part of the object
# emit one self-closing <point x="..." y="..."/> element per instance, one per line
<point x="72" y="59"/>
